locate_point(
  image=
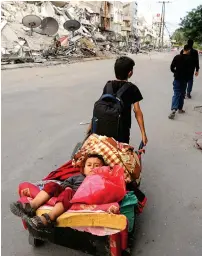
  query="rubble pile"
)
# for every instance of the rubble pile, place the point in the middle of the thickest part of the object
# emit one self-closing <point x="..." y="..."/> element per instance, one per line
<point x="17" y="45"/>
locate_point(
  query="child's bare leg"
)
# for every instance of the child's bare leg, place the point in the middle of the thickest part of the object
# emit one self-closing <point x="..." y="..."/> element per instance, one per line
<point x="57" y="210"/>
<point x="41" y="198"/>
<point x="61" y="206"/>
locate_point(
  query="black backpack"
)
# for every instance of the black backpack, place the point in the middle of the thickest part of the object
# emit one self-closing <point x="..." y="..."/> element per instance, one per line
<point x="108" y="111"/>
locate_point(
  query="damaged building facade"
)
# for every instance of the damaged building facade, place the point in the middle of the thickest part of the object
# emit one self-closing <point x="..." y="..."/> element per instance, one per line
<point x="99" y="28"/>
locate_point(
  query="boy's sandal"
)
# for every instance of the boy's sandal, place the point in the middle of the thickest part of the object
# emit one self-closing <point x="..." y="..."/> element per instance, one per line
<point x="37" y="223"/>
<point x="20" y="209"/>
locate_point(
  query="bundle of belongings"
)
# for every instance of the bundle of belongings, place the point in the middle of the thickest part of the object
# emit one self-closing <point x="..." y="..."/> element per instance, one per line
<point x="113" y="153"/>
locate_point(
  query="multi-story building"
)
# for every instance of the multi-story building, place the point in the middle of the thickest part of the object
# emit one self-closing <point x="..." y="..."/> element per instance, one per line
<point x="156" y="25"/>
<point x="129" y="28"/>
<point x="126" y="27"/>
<point x="134" y="16"/>
<point x="146" y="33"/>
<point x="117" y="16"/>
<point x="106" y="15"/>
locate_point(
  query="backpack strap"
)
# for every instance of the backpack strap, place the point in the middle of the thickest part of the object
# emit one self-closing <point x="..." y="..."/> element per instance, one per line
<point x="122" y="90"/>
<point x="109" y="88"/>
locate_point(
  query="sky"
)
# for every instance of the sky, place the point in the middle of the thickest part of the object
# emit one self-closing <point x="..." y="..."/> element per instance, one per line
<point x="175" y="10"/>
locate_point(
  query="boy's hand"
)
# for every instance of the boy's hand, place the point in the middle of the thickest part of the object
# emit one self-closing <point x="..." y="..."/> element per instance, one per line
<point x="144" y="139"/>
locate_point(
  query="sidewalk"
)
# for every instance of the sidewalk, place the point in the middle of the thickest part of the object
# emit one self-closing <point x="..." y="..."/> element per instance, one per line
<point x="51" y="63"/>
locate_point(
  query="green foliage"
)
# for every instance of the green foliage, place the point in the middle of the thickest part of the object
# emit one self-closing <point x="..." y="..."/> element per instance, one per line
<point x="178" y="35"/>
<point x="191" y="25"/>
<point x="198" y="46"/>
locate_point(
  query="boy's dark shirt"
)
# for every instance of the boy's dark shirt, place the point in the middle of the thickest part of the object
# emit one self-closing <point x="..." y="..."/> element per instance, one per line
<point x="74" y="182"/>
<point x="129" y="97"/>
<point x="181" y="66"/>
<point x="194" y="60"/>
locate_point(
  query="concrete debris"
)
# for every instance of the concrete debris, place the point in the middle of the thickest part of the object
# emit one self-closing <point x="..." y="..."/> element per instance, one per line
<point x="51" y="40"/>
<point x="198" y="140"/>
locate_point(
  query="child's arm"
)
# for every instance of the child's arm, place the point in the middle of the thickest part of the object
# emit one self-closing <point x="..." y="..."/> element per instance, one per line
<point x="140" y="120"/>
<point x="68" y="182"/>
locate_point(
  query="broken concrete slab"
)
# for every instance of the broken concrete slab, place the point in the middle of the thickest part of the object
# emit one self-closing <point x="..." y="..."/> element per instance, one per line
<point x="3" y="24"/>
<point x="47" y="9"/>
<point x="8" y="37"/>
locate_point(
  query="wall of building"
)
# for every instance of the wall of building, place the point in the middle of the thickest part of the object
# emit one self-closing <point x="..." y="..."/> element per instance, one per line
<point x="117" y="16"/>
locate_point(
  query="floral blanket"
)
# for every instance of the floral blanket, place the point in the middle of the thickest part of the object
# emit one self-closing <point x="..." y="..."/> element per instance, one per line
<point x="113" y="153"/>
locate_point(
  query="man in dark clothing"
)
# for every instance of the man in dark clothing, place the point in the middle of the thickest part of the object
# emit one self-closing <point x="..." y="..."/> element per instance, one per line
<point x="194" y="67"/>
<point x="181" y="67"/>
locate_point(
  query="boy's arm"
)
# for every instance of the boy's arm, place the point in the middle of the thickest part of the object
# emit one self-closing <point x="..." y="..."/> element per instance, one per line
<point x="173" y="65"/>
<point x="140" y="119"/>
<point x="68" y="182"/>
<point x="197" y="63"/>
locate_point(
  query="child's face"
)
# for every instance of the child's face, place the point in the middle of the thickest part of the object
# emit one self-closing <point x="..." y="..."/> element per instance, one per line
<point x="92" y="163"/>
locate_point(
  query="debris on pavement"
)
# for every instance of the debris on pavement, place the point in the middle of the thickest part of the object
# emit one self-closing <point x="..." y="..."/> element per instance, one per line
<point x="198" y="108"/>
<point x="198" y="140"/>
<point x="51" y="40"/>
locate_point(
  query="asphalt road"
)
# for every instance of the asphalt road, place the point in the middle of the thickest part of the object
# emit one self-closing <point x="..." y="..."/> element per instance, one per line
<point x="41" y="112"/>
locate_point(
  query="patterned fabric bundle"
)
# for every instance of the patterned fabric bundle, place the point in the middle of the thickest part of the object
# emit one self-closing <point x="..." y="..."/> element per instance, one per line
<point x="113" y="153"/>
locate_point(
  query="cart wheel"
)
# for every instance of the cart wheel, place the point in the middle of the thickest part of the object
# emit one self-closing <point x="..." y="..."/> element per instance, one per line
<point x="102" y="248"/>
<point x="34" y="241"/>
<point x="126" y="253"/>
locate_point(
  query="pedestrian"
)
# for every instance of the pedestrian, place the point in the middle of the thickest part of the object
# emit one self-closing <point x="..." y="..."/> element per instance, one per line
<point x="180" y="66"/>
<point x="194" y="67"/>
<point x="112" y="113"/>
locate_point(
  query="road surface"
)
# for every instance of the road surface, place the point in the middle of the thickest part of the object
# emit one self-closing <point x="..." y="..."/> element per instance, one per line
<point x="41" y="112"/>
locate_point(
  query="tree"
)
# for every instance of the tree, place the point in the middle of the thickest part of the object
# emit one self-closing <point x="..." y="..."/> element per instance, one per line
<point x="191" y="24"/>
<point x="178" y="36"/>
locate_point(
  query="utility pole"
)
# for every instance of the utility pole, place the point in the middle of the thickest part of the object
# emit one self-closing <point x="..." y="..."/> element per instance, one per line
<point x="162" y="25"/>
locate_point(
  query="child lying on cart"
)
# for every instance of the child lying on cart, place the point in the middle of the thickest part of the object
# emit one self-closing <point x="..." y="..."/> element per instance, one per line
<point x="63" y="192"/>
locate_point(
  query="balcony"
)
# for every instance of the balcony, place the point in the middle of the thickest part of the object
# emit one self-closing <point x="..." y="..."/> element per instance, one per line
<point x="124" y="28"/>
<point x="126" y="18"/>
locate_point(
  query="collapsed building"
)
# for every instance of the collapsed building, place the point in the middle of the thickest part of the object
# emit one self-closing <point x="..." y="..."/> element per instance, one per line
<point x="60" y="30"/>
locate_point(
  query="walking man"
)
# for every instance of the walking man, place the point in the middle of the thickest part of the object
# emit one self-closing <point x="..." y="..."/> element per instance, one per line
<point x="194" y="67"/>
<point x="180" y="66"/>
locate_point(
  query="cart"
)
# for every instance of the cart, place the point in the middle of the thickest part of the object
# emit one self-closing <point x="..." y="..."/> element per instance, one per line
<point x="78" y="230"/>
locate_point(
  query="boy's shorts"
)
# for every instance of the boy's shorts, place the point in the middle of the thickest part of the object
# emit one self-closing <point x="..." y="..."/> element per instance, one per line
<point x="63" y="195"/>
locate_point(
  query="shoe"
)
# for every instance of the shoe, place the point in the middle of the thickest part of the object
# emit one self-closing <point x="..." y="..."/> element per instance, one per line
<point x="20" y="209"/>
<point x="188" y="95"/>
<point x="172" y="115"/>
<point x="181" y="111"/>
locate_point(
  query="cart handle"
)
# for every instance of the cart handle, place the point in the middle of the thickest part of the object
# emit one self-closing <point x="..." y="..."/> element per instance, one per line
<point x="141" y="148"/>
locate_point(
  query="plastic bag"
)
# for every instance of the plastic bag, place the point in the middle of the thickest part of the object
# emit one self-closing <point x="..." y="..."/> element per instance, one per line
<point x="103" y="187"/>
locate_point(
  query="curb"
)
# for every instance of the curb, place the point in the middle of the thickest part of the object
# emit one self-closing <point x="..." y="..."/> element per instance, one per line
<point x="52" y="63"/>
